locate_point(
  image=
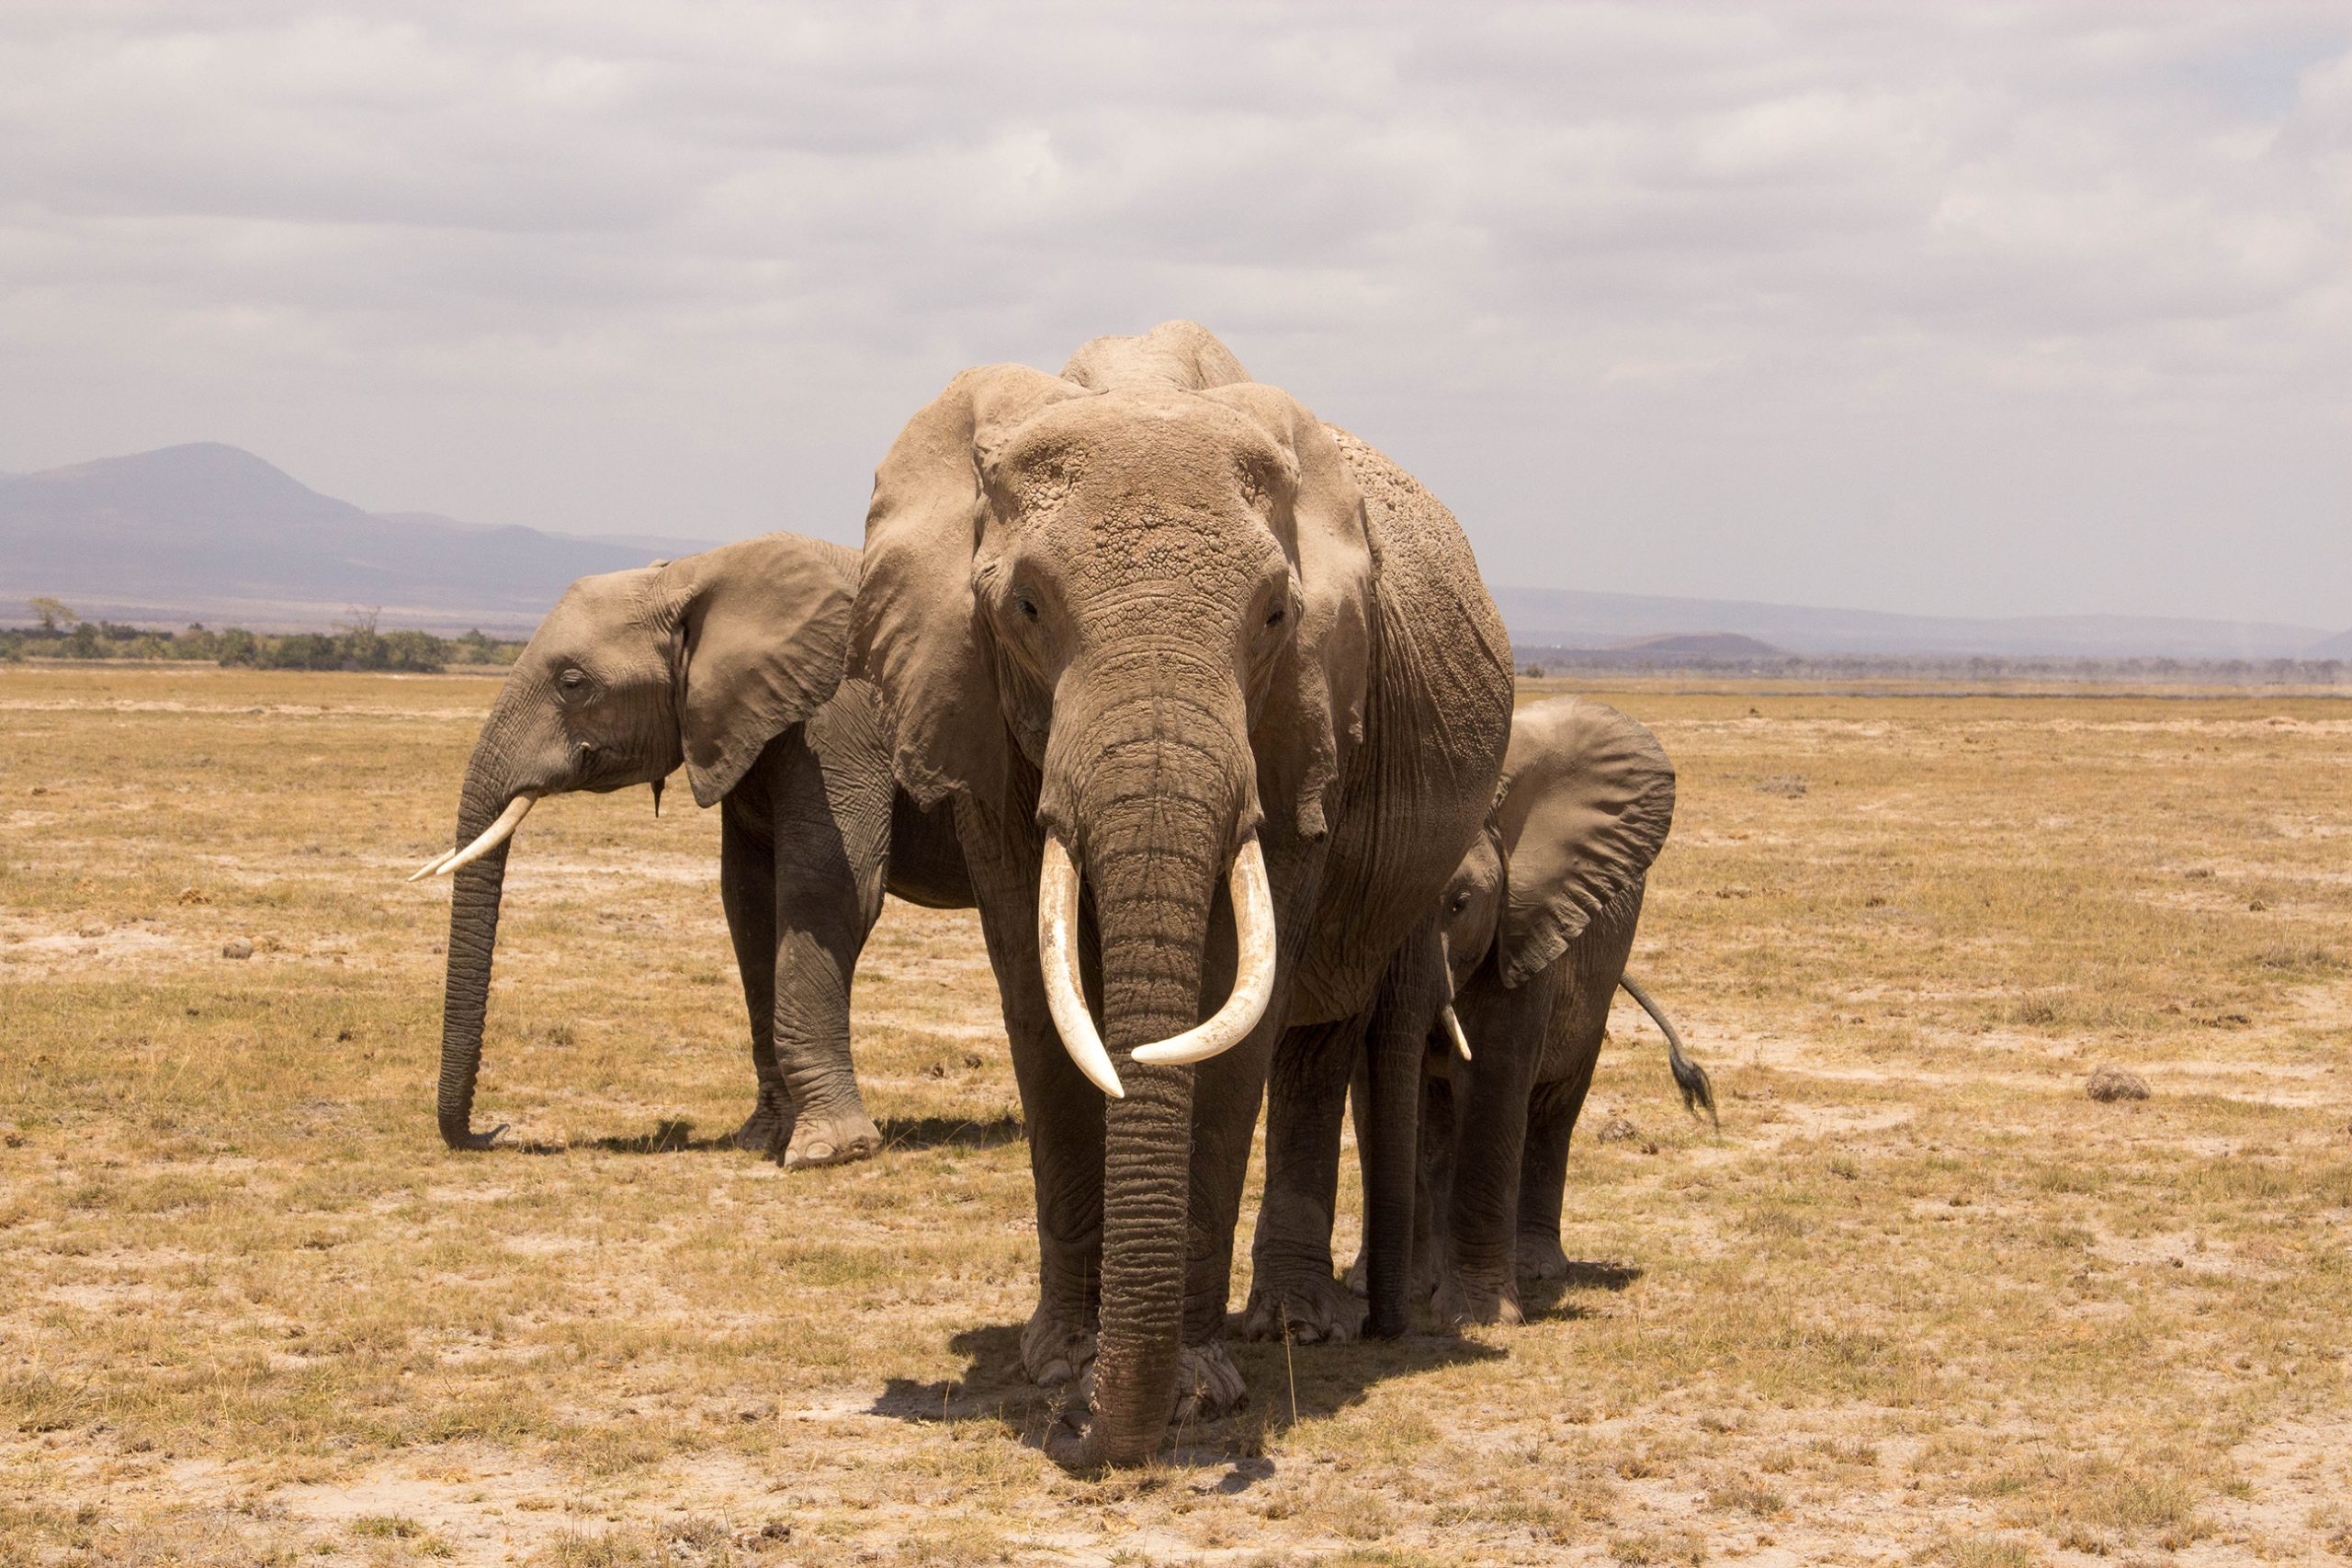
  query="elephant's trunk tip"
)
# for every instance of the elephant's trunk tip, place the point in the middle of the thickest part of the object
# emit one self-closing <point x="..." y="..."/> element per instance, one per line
<point x="463" y="1138"/>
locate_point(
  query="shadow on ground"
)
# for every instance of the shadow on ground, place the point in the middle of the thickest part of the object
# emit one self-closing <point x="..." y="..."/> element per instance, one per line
<point x="1287" y="1385"/>
<point x="676" y="1135"/>
<point x="1551" y="1300"/>
<point x="669" y="1137"/>
<point x="947" y="1132"/>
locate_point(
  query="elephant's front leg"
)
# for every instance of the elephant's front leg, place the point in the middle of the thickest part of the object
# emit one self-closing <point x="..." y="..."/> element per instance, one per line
<point x="1061" y="1112"/>
<point x="747" y="892"/>
<point x="1478" y="1277"/>
<point x="1292" y="1292"/>
<point x="830" y="827"/>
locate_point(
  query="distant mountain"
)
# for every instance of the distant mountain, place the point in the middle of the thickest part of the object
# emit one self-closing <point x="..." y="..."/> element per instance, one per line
<point x="1556" y="618"/>
<point x="2337" y="647"/>
<point x="210" y="532"/>
<point x="1696" y="645"/>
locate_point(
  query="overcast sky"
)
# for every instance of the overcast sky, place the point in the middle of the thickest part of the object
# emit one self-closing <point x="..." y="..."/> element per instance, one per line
<point x="1970" y="308"/>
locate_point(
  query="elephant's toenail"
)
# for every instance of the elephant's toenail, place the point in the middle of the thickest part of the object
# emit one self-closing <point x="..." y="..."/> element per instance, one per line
<point x="821" y="1151"/>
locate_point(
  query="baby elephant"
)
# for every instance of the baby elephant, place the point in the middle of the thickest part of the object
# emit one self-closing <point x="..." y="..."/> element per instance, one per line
<point x="1536" y="926"/>
<point x="731" y="663"/>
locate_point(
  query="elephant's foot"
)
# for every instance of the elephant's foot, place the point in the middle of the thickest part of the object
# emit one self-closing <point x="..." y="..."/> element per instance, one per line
<point x="818" y="1139"/>
<point x="1541" y="1258"/>
<point x="1054" y="1350"/>
<point x="769" y="1124"/>
<point x="1309" y="1310"/>
<point x="1208" y="1384"/>
<point x="1460" y="1302"/>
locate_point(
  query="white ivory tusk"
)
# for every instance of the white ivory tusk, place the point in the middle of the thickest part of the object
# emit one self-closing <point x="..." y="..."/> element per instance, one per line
<point x="1452" y="1025"/>
<point x="1057" y="959"/>
<point x="1454" y="1028"/>
<point x="429" y="867"/>
<point x="1253" y="972"/>
<point x="497" y="833"/>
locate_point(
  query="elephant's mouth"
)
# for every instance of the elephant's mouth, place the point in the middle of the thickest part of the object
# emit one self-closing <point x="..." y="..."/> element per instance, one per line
<point x="1253" y="975"/>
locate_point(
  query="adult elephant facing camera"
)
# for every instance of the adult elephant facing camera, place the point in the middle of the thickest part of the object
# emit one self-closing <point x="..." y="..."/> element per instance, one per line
<point x="1163" y="637"/>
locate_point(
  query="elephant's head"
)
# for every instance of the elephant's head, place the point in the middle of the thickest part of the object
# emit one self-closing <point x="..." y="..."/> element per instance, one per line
<point x="701" y="661"/>
<point x="1133" y="601"/>
<point x="1586" y="801"/>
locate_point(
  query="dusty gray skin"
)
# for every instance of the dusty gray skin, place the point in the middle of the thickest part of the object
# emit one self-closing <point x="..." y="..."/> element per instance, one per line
<point x="1149" y="611"/>
<point x="728" y="663"/>
<point x="1537" y="922"/>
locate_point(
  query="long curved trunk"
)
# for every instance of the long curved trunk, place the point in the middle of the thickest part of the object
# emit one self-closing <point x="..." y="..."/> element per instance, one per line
<point x="473" y="937"/>
<point x="1154" y="917"/>
<point x="1157" y="805"/>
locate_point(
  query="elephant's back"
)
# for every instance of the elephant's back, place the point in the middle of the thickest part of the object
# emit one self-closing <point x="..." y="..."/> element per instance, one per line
<point x="1428" y="570"/>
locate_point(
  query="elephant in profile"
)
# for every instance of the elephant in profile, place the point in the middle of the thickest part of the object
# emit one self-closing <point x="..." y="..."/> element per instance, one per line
<point x="1538" y="921"/>
<point x="728" y="663"/>
<point x="1218" y="700"/>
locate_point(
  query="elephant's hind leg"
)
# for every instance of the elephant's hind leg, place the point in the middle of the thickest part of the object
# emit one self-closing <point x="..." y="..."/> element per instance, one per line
<point x="1543" y="1175"/>
<point x="830" y="825"/>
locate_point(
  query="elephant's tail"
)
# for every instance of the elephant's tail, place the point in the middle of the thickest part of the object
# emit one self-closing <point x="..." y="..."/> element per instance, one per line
<point x="1698" y="1092"/>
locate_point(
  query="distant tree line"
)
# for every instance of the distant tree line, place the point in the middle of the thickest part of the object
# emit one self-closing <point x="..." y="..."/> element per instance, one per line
<point x="1853" y="667"/>
<point x="354" y="644"/>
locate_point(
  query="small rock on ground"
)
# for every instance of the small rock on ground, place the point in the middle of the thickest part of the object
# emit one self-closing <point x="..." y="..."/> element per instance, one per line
<point x="236" y="947"/>
<point x="2114" y="1083"/>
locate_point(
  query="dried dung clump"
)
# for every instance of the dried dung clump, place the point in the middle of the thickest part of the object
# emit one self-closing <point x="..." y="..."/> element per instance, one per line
<point x="1789" y="785"/>
<point x="2114" y="1083"/>
<point x="1617" y="1130"/>
<point x="236" y="947"/>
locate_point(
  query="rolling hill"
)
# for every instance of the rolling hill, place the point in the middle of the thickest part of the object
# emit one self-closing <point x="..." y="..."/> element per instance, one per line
<point x="1554" y="618"/>
<point x="211" y="532"/>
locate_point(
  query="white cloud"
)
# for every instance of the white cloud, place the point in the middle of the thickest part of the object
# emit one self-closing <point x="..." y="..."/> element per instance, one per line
<point x="1970" y="307"/>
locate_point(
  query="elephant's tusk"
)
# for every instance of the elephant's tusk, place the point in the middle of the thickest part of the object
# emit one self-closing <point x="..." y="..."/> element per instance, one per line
<point x="1253" y="974"/>
<point x="497" y="833"/>
<point x="429" y="867"/>
<point x="1057" y="958"/>
<point x="1454" y="1028"/>
<point x="1445" y="1013"/>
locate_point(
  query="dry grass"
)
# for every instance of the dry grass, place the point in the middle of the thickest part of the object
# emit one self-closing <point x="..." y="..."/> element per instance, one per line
<point x="1920" y="1299"/>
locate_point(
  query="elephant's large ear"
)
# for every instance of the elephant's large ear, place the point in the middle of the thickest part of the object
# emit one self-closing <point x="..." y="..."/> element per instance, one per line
<point x="913" y="631"/>
<point x="1314" y="715"/>
<point x="762" y="630"/>
<point x="1588" y="796"/>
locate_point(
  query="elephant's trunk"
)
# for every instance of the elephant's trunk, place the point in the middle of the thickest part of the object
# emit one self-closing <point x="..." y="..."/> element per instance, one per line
<point x="1157" y="810"/>
<point x="473" y="937"/>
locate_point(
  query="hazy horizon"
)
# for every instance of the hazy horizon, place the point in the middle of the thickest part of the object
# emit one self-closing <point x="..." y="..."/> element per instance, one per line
<point x="1949" y="312"/>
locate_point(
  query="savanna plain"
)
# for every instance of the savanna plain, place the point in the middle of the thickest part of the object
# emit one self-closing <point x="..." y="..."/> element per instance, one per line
<point x="1919" y="1299"/>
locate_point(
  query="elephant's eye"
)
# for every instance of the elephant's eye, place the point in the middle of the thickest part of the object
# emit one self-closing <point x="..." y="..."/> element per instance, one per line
<point x="1275" y="615"/>
<point x="571" y="681"/>
<point x="1460" y="902"/>
<point x="1028" y="610"/>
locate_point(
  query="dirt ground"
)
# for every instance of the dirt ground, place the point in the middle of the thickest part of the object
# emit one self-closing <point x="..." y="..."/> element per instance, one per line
<point x="1919" y="1300"/>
